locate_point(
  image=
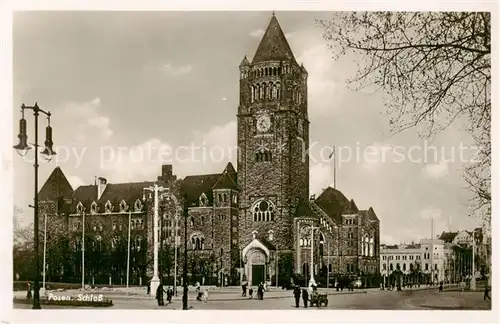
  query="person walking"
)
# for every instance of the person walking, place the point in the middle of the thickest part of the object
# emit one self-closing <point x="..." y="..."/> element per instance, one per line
<point x="159" y="295"/>
<point x="149" y="287"/>
<point x="305" y="296"/>
<point x="244" y="288"/>
<point x="487" y="292"/>
<point x="205" y="295"/>
<point x="250" y="292"/>
<point x="28" y="293"/>
<point x="296" y="295"/>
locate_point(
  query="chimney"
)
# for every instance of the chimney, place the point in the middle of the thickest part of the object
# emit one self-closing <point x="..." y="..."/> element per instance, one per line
<point x="166" y="174"/>
<point x="101" y="186"/>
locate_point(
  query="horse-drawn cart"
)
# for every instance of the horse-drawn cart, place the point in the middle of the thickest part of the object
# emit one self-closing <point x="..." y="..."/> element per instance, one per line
<point x="319" y="299"/>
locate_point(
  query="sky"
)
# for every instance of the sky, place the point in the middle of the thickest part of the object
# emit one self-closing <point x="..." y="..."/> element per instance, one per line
<point x="123" y="86"/>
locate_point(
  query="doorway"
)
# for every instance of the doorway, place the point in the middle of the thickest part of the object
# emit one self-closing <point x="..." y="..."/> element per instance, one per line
<point x="257" y="274"/>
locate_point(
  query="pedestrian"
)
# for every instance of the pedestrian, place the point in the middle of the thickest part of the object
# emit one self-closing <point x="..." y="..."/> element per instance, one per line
<point x="305" y="296"/>
<point x="244" y="288"/>
<point x="250" y="292"/>
<point x="159" y="295"/>
<point x="441" y="286"/>
<point x="28" y="293"/>
<point x="149" y="287"/>
<point x="296" y="294"/>
<point x="205" y="295"/>
<point x="487" y="292"/>
<point x="170" y="292"/>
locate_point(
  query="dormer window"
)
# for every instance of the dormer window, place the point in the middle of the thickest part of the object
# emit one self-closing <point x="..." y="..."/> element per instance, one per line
<point x="123" y="206"/>
<point x="203" y="200"/>
<point x="138" y="205"/>
<point x="93" y="208"/>
<point x="108" y="207"/>
<point x="79" y="207"/>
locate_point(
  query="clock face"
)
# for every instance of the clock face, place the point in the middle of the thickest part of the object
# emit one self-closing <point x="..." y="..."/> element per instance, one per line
<point x="263" y="123"/>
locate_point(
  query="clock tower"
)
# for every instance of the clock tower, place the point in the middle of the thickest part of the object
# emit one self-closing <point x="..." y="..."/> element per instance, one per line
<point x="273" y="141"/>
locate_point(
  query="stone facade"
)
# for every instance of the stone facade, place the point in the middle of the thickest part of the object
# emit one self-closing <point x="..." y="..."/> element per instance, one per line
<point x="240" y="225"/>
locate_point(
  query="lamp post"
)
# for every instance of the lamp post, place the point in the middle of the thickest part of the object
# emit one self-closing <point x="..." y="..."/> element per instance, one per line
<point x="22" y="148"/>
<point x="155" y="281"/>
<point x="312" y="282"/>
<point x="184" y="275"/>
<point x="473" y="279"/>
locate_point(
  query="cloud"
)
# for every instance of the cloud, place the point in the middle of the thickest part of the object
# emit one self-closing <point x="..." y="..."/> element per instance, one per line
<point x="320" y="177"/>
<point x="258" y="33"/>
<point x="176" y="70"/>
<point x="323" y="91"/>
<point x="387" y="239"/>
<point x="436" y="170"/>
<point x="88" y="120"/>
<point x="75" y="182"/>
<point x="207" y="152"/>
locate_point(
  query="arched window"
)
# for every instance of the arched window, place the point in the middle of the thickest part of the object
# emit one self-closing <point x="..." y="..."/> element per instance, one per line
<point x="391" y="267"/>
<point x="301" y="242"/>
<point x="271" y="235"/>
<point x="198" y="245"/>
<point x="384" y="266"/>
<point x="224" y="198"/>
<point x="256" y="92"/>
<point x="79" y="207"/>
<point x="263" y="210"/>
<point x="93" y="207"/>
<point x="262" y="89"/>
<point x="275" y="92"/>
<point x="108" y="207"/>
<point x="138" y="205"/>
<point x="98" y="243"/>
<point x="203" y="201"/>
<point x="252" y="93"/>
<point x="278" y="91"/>
<point x="191" y="221"/>
<point x="220" y="197"/>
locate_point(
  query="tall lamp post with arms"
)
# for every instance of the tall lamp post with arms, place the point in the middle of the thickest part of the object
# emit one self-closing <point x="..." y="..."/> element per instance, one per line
<point x="22" y="148"/>
<point x="155" y="281"/>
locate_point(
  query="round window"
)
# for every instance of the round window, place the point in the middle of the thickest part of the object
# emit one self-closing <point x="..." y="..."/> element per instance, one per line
<point x="263" y="205"/>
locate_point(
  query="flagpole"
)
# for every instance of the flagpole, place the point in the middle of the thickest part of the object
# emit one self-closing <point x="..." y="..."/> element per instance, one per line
<point x="128" y="250"/>
<point x="83" y="251"/>
<point x="334" y="154"/>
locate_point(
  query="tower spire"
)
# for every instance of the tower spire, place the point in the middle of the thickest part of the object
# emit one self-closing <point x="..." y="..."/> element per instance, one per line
<point x="273" y="45"/>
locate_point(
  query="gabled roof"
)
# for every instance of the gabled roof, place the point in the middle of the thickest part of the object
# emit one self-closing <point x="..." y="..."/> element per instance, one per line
<point x="351" y="208"/>
<point x="371" y="215"/>
<point x="304" y="209"/>
<point x="56" y="187"/>
<point x="333" y="203"/>
<point x="448" y="237"/>
<point x="273" y="46"/>
<point x="114" y="192"/>
<point x="228" y="179"/>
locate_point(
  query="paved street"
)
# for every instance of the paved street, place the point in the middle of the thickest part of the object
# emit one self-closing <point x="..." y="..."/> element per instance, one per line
<point x="371" y="299"/>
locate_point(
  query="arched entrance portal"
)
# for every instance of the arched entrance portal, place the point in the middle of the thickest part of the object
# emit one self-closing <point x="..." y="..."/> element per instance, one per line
<point x="256" y="266"/>
<point x="256" y="258"/>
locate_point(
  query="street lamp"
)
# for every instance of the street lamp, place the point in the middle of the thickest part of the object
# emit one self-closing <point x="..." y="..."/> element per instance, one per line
<point x="155" y="281"/>
<point x="184" y="275"/>
<point x="22" y="148"/>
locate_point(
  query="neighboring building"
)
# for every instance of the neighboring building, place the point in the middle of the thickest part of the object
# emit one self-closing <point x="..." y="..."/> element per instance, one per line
<point x="251" y="224"/>
<point x="423" y="261"/>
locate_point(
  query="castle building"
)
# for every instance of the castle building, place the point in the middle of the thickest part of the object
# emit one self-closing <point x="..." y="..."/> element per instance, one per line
<point x="253" y="223"/>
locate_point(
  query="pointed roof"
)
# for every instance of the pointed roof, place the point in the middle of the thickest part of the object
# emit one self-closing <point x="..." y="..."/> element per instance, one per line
<point x="371" y="214"/>
<point x="273" y="46"/>
<point x="244" y="62"/>
<point x="304" y="209"/>
<point x="56" y="187"/>
<point x="351" y="208"/>
<point x="333" y="203"/>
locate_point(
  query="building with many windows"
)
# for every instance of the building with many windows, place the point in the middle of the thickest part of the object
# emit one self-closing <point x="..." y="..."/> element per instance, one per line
<point x="254" y="224"/>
